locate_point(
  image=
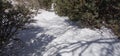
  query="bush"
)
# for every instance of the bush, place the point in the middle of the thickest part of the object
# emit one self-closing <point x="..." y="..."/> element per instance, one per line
<point x="12" y="19"/>
<point x="45" y="4"/>
<point x="91" y="13"/>
<point x="35" y="4"/>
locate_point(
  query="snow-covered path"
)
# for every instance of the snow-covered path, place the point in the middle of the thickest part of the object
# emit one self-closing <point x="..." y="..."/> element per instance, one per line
<point x="52" y="35"/>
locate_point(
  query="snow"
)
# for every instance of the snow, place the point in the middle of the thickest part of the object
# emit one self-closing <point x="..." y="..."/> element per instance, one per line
<point x="53" y="35"/>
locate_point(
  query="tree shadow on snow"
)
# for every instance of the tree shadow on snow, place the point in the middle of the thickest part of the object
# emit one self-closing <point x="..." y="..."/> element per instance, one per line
<point x="36" y="41"/>
<point x="32" y="42"/>
<point x="112" y="44"/>
<point x="70" y="22"/>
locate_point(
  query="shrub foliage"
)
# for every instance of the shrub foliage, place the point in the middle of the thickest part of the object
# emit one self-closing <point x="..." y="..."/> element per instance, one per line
<point x="12" y="19"/>
<point x="36" y="4"/>
<point x="91" y="13"/>
<point x="45" y="4"/>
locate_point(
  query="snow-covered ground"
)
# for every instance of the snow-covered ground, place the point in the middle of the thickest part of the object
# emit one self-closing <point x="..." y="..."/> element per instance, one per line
<point x="52" y="35"/>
